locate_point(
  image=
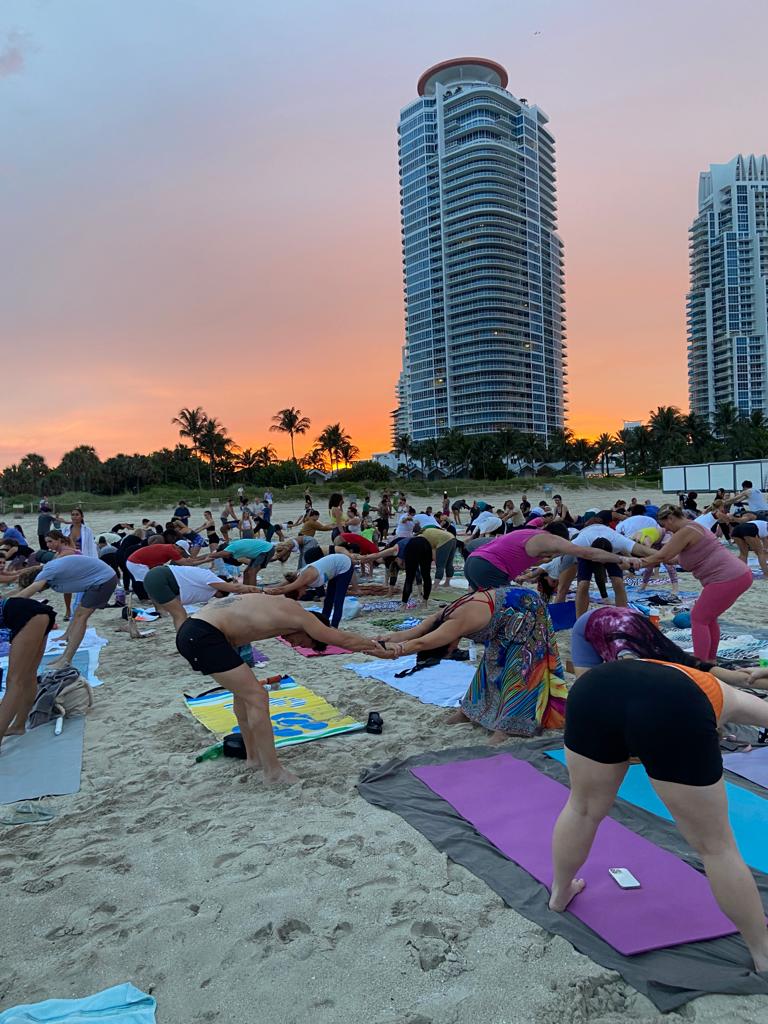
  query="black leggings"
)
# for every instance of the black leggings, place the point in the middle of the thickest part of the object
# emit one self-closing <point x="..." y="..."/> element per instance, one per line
<point x="417" y="557"/>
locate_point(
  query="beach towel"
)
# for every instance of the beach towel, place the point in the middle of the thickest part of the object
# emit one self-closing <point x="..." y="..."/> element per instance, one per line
<point x="121" y="1004"/>
<point x="310" y="652"/>
<point x="443" y="685"/>
<point x="669" y="977"/>
<point x="42" y="764"/>
<point x="297" y="714"/>
<point x="747" y="811"/>
<point x="86" y="659"/>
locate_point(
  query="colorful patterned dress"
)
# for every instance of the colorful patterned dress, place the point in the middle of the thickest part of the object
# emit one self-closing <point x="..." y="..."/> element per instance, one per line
<point x="518" y="687"/>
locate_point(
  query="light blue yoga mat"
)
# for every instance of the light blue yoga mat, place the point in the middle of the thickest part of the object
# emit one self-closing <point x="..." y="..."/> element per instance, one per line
<point x="748" y="811"/>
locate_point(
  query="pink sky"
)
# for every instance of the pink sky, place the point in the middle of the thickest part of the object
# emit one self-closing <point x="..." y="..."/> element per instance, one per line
<point x="200" y="201"/>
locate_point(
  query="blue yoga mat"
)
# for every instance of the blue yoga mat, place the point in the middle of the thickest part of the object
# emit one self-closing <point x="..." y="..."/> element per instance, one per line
<point x="748" y="811"/>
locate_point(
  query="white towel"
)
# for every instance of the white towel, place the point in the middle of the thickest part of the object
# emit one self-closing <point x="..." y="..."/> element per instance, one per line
<point x="444" y="685"/>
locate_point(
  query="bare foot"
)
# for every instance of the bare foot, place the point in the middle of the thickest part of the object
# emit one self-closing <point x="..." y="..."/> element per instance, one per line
<point x="458" y="717"/>
<point x="498" y="737"/>
<point x="559" y="900"/>
<point x="281" y="778"/>
<point x="56" y="665"/>
<point x="255" y="763"/>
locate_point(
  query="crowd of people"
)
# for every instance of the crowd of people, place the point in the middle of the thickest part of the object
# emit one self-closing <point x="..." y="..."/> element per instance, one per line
<point x="665" y="706"/>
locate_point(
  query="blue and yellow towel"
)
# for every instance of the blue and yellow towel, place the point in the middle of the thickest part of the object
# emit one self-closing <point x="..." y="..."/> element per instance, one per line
<point x="298" y="715"/>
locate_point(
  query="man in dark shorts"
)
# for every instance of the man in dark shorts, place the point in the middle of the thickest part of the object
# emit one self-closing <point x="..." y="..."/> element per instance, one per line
<point x="210" y="639"/>
<point x="91" y="578"/>
<point x="29" y="623"/>
<point x="586" y="569"/>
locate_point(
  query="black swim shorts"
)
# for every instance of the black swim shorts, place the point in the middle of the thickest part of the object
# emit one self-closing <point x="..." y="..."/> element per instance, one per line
<point x="15" y="613"/>
<point x="586" y="569"/>
<point x="206" y="648"/>
<point x="654" y="712"/>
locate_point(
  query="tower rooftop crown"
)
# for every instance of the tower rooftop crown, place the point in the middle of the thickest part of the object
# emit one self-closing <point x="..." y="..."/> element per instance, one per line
<point x="462" y="69"/>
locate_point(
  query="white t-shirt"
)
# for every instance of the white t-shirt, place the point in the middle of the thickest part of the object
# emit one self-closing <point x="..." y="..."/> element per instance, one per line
<point x="706" y="519"/>
<point x="629" y="527"/>
<point x="756" y="500"/>
<point x="621" y="545"/>
<point x="486" y="522"/>
<point x="404" y="526"/>
<point x="193" y="583"/>
<point x="330" y="566"/>
<point x="425" y="520"/>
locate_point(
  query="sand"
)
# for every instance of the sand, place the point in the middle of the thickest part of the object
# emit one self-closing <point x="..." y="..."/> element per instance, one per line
<point x="230" y="902"/>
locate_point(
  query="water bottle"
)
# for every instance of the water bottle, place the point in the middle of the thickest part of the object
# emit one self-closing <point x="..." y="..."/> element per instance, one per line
<point x="472" y="651"/>
<point x="217" y="750"/>
<point x="763" y="658"/>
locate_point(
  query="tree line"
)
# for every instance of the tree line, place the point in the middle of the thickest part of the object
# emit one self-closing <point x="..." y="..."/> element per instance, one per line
<point x="207" y="453"/>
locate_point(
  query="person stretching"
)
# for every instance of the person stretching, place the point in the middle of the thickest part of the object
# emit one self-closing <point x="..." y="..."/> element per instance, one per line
<point x="724" y="577"/>
<point x="667" y="715"/>
<point x="92" y="578"/>
<point x="334" y="572"/>
<point x="209" y="640"/>
<point x="29" y="623"/>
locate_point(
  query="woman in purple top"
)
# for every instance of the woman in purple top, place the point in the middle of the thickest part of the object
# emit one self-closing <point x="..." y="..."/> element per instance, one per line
<point x="504" y="559"/>
<point x="724" y="576"/>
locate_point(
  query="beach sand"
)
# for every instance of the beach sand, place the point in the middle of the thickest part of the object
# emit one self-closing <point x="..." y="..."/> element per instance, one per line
<point x="230" y="902"/>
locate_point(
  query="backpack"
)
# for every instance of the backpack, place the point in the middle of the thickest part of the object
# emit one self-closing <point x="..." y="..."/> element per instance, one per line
<point x="60" y="692"/>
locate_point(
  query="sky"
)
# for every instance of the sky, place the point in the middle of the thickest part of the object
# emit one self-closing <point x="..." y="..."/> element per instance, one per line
<point x="199" y="201"/>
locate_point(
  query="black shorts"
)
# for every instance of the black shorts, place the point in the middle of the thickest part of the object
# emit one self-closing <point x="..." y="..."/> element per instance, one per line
<point x="206" y="648"/>
<point x="586" y="569"/>
<point x="654" y="712"/>
<point x="745" y="530"/>
<point x="15" y="613"/>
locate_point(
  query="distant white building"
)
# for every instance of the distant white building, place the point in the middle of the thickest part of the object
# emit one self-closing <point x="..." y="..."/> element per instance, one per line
<point x="632" y="424"/>
<point x="728" y="297"/>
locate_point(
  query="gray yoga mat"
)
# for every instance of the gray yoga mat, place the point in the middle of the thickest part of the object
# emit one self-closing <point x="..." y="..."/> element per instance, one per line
<point x="42" y="764"/>
<point x="668" y="977"/>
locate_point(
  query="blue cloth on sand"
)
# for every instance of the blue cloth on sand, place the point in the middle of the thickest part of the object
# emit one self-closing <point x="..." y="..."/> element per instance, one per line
<point x="121" y="1004"/>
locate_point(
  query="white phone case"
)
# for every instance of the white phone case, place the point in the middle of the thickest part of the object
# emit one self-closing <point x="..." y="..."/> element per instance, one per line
<point x="624" y="878"/>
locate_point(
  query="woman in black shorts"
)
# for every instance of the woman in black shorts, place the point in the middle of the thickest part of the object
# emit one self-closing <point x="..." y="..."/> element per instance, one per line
<point x="29" y="623"/>
<point x="752" y="537"/>
<point x="667" y="716"/>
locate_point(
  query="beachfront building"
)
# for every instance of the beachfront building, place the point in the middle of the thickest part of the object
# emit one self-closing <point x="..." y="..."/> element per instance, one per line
<point x="482" y="261"/>
<point x="400" y="416"/>
<point x="728" y="297"/>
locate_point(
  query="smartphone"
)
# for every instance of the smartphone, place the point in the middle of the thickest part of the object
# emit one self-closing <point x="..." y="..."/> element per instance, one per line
<point x="624" y="878"/>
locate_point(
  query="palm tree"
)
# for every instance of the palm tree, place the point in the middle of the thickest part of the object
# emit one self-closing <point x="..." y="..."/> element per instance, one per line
<point x="725" y="423"/>
<point x="291" y="422"/>
<point x="246" y="461"/>
<point x="605" y="446"/>
<point x="314" y="459"/>
<point x="584" y="454"/>
<point x="698" y="434"/>
<point x="332" y="440"/>
<point x="191" y="424"/>
<point x="35" y="469"/>
<point x="667" y="432"/>
<point x="213" y="441"/>
<point x="532" y="449"/>
<point x="509" y="441"/>
<point x="404" y="447"/>
<point x="265" y="456"/>
<point x="348" y="452"/>
<point x="559" y="444"/>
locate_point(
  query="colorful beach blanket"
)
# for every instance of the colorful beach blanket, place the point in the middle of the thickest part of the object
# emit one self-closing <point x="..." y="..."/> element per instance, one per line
<point x="298" y="715"/>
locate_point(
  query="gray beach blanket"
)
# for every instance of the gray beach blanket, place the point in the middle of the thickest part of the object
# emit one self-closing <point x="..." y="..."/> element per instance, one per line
<point x="668" y="977"/>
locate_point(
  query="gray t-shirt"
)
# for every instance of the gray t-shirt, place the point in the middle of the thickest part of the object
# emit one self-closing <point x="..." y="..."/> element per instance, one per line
<point x="756" y="500"/>
<point x="73" y="574"/>
<point x="330" y="566"/>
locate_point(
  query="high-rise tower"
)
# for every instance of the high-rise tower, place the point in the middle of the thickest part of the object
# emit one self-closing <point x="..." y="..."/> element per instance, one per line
<point x="727" y="316"/>
<point x="483" y="264"/>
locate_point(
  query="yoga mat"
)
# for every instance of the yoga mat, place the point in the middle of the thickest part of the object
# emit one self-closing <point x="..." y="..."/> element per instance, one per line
<point x="515" y="807"/>
<point x="747" y="811"/>
<point x="121" y="1004"/>
<point x="752" y="765"/>
<point x="310" y="652"/>
<point x="298" y="715"/>
<point x="41" y="764"/>
<point x="443" y="685"/>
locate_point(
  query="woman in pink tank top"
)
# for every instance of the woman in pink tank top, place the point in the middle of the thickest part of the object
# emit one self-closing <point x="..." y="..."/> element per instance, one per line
<point x="724" y="576"/>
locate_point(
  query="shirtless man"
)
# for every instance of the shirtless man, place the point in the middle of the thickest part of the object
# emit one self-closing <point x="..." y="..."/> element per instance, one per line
<point x="209" y="640"/>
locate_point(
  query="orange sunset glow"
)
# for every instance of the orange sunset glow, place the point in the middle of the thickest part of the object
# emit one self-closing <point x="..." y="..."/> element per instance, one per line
<point x="205" y="210"/>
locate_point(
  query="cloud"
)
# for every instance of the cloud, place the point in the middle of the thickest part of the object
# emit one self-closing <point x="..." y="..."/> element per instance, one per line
<point x="12" y="54"/>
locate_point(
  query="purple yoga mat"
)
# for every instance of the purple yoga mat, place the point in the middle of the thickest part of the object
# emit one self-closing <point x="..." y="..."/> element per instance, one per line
<point x="752" y="766"/>
<point x="515" y="807"/>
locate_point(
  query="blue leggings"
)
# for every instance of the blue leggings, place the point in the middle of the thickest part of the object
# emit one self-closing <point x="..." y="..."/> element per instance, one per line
<point x="335" y="592"/>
